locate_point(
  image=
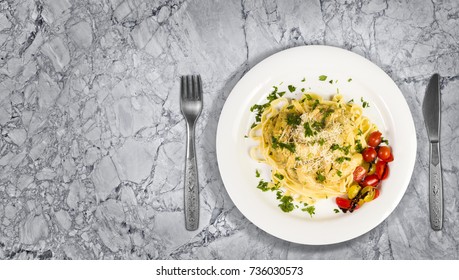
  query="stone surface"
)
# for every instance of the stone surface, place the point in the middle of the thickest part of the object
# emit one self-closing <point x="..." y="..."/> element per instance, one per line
<point x="92" y="140"/>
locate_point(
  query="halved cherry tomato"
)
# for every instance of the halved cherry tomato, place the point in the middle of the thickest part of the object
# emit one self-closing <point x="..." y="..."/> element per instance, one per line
<point x="343" y="203"/>
<point x="370" y="180"/>
<point x="359" y="173"/>
<point x="374" y="139"/>
<point x="369" y="154"/>
<point x="384" y="152"/>
<point x="382" y="169"/>
<point x="391" y="158"/>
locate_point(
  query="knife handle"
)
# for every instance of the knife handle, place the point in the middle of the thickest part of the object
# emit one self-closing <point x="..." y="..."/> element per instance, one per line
<point x="435" y="187"/>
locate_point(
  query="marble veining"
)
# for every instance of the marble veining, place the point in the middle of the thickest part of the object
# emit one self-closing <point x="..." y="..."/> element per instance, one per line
<point x="92" y="140"/>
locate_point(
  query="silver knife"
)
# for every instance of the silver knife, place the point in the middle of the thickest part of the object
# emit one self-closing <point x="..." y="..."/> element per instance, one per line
<point x="431" y="110"/>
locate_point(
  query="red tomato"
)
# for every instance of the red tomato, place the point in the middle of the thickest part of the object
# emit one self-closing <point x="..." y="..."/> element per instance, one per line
<point x="391" y="158"/>
<point x="343" y="203"/>
<point x="384" y="152"/>
<point x="369" y="154"/>
<point x="382" y="169"/>
<point x="359" y="173"/>
<point x="374" y="139"/>
<point x="370" y="180"/>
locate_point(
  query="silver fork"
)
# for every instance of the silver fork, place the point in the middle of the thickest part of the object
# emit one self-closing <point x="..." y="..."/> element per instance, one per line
<point x="191" y="106"/>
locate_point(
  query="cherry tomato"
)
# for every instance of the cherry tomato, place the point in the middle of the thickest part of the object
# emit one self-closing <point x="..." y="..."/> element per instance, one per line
<point x="359" y="173"/>
<point x="382" y="169"/>
<point x="391" y="158"/>
<point x="370" y="180"/>
<point x="374" y="139"/>
<point x="369" y="154"/>
<point x="343" y="203"/>
<point x="384" y="152"/>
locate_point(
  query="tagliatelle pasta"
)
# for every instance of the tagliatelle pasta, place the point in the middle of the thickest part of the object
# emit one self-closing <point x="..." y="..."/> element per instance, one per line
<point x="312" y="145"/>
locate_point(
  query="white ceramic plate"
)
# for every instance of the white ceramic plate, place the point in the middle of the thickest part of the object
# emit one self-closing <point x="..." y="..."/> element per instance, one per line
<point x="388" y="109"/>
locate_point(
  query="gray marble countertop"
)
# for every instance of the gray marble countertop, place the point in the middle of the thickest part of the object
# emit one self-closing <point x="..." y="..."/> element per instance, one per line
<point x="93" y="142"/>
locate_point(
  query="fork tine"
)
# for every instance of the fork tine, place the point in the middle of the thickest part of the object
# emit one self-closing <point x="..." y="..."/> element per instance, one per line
<point x="199" y="87"/>
<point x="195" y="87"/>
<point x="189" y="87"/>
<point x="183" y="87"/>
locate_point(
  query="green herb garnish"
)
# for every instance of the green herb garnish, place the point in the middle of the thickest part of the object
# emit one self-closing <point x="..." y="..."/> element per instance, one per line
<point x="342" y="159"/>
<point x="310" y="209"/>
<point x="364" y="103"/>
<point x="307" y="130"/>
<point x="339" y="173"/>
<point x="358" y="146"/>
<point x="314" y="105"/>
<point x="349" y="80"/>
<point x="289" y="146"/>
<point x="322" y="77"/>
<point x="336" y="210"/>
<point x="257" y="173"/>
<point x="293" y="119"/>
<point x="286" y="203"/>
<point x="319" y="177"/>
<point x="291" y="88"/>
<point x="262" y="185"/>
<point x="279" y="176"/>
<point x="321" y="141"/>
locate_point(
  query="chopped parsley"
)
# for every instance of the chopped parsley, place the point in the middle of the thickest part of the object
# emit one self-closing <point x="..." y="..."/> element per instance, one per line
<point x="293" y="119"/>
<point x="291" y="88"/>
<point x="384" y="141"/>
<point x="322" y="77"/>
<point x="331" y="81"/>
<point x="289" y="146"/>
<point x="262" y="185"/>
<point x="308" y="96"/>
<point x="344" y="149"/>
<point x="320" y="178"/>
<point x="336" y="210"/>
<point x="276" y="144"/>
<point x="279" y="176"/>
<point x="360" y="132"/>
<point x="334" y="147"/>
<point x="314" y="105"/>
<point x="349" y="80"/>
<point x="260" y="109"/>
<point x="351" y="101"/>
<point x="310" y="209"/>
<point x="358" y="146"/>
<point x="245" y="136"/>
<point x="339" y="173"/>
<point x="342" y="159"/>
<point x="318" y="125"/>
<point x="321" y="141"/>
<point x="303" y="80"/>
<point x="257" y="173"/>
<point x="286" y="203"/>
<point x="307" y="130"/>
<point x="253" y="125"/>
<point x="297" y="158"/>
<point x="290" y="107"/>
<point x="364" y="103"/>
<point x="302" y="89"/>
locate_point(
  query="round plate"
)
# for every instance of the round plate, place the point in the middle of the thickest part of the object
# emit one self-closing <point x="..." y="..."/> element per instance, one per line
<point x="355" y="78"/>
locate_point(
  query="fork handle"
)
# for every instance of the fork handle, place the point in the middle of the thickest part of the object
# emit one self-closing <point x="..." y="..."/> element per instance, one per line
<point x="435" y="187"/>
<point x="191" y="182"/>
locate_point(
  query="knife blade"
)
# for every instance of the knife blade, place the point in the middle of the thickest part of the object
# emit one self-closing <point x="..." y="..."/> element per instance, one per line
<point x="431" y="110"/>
